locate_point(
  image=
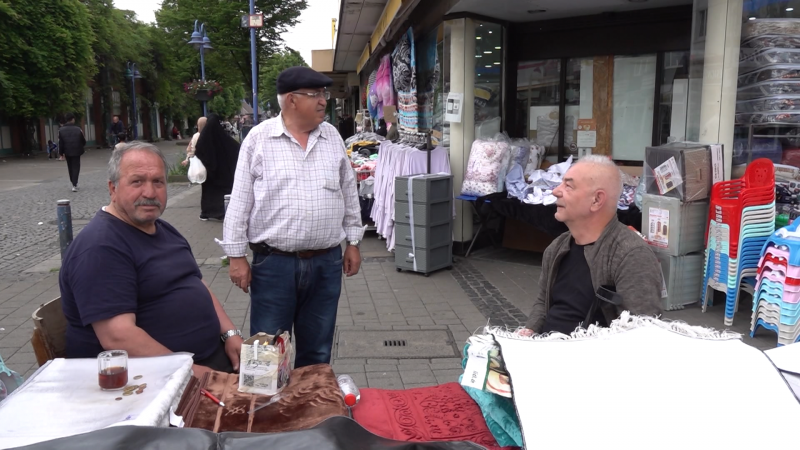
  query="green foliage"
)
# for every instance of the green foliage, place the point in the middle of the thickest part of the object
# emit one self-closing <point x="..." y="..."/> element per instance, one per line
<point x="178" y="168"/>
<point x="45" y="57"/>
<point x="229" y="62"/>
<point x="273" y="66"/>
<point x="229" y="102"/>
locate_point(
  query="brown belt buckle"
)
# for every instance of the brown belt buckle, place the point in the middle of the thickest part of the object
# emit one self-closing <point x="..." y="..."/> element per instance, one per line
<point x="306" y="254"/>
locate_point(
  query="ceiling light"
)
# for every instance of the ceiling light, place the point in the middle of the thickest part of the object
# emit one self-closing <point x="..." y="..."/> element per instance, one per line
<point x="497" y="63"/>
<point x="488" y="52"/>
<point x="536" y="11"/>
<point x="478" y="56"/>
<point x="490" y="32"/>
<point x="790" y="9"/>
<point x="751" y="18"/>
<point x="498" y="48"/>
<point x="477" y="37"/>
<point x="489" y="65"/>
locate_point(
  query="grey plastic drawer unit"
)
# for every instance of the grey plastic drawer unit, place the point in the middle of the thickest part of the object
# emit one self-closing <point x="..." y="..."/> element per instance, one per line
<point x="428" y="260"/>
<point x="425" y="188"/>
<point x="424" y="237"/>
<point x="424" y="214"/>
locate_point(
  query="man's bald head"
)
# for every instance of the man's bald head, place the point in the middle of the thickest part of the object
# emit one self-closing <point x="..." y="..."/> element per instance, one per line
<point x="603" y="174"/>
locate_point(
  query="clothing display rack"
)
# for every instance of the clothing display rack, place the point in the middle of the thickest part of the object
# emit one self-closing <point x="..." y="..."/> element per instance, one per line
<point x="420" y="140"/>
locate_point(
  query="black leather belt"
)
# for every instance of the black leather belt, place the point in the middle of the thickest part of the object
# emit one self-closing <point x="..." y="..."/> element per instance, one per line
<point x="265" y="249"/>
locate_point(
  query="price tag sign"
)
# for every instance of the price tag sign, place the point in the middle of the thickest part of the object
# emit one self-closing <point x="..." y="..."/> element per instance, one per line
<point x="477" y="366"/>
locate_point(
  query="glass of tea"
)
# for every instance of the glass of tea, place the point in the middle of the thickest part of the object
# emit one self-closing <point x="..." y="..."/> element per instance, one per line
<point x="112" y="369"/>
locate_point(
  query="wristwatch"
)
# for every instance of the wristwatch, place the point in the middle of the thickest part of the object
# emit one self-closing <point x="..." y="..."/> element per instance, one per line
<point x="230" y="333"/>
<point x="354" y="243"/>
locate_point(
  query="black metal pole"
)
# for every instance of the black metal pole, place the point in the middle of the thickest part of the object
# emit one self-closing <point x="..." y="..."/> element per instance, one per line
<point x="64" y="214"/>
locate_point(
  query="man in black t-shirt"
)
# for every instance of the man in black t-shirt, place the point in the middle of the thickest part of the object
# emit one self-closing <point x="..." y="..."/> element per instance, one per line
<point x="597" y="251"/>
<point x="129" y="280"/>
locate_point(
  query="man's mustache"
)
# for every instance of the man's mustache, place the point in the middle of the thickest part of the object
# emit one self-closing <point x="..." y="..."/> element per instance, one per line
<point x="148" y="202"/>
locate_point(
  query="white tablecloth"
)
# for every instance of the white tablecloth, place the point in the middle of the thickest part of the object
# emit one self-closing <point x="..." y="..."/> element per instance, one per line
<point x="649" y="387"/>
<point x="64" y="399"/>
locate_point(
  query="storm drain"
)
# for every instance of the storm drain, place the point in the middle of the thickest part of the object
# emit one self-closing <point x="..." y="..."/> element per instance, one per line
<point x="395" y="344"/>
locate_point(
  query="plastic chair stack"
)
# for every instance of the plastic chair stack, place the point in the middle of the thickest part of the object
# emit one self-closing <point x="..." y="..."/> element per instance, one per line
<point x="741" y="219"/>
<point x="776" y="300"/>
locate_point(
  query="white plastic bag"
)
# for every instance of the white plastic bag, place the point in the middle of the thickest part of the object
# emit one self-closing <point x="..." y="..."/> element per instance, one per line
<point x="197" y="171"/>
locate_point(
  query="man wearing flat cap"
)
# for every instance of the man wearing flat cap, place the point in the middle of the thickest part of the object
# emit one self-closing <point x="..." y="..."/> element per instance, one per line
<point x="294" y="202"/>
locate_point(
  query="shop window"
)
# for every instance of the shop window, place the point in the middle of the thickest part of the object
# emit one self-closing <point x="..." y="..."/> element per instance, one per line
<point x="673" y="98"/>
<point x="489" y="58"/>
<point x="634" y="93"/>
<point x="537" y="103"/>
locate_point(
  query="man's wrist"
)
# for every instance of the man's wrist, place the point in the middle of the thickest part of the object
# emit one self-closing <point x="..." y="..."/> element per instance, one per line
<point x="229" y="334"/>
<point x="354" y="243"/>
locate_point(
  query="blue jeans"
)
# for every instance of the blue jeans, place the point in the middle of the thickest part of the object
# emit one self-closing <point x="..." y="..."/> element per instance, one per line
<point x="287" y="291"/>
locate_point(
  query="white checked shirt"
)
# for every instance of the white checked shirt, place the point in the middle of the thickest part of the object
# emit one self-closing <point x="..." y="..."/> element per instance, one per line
<point x="289" y="198"/>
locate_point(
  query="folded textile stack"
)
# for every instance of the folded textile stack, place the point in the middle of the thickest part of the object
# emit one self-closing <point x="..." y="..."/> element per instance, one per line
<point x="741" y="218"/>
<point x="776" y="301"/>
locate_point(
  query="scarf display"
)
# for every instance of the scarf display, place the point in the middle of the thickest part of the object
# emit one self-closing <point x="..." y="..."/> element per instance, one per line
<point x="404" y="70"/>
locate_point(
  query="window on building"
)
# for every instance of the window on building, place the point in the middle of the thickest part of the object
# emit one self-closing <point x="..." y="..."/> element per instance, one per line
<point x="489" y="56"/>
<point x="538" y="100"/>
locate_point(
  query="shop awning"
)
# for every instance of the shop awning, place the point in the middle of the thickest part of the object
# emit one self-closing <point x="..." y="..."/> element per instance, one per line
<point x="357" y="21"/>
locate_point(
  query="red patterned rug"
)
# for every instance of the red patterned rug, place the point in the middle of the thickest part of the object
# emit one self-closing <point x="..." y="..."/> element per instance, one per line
<point x="437" y="413"/>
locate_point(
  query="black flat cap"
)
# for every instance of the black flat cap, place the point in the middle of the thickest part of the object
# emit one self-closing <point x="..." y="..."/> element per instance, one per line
<point x="295" y="78"/>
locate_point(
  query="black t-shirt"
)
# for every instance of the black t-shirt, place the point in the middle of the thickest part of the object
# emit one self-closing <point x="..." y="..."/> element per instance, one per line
<point x="572" y="294"/>
<point x="113" y="268"/>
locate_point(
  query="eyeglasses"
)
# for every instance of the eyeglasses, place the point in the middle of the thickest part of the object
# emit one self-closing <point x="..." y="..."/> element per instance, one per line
<point x="324" y="94"/>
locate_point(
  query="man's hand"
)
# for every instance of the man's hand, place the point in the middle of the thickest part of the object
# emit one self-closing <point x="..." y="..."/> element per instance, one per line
<point x="233" y="348"/>
<point x="239" y="271"/>
<point x="525" y="332"/>
<point x="184" y="163"/>
<point x="352" y="260"/>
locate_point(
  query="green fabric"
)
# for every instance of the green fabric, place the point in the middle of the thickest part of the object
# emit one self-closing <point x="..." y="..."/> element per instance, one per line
<point x="498" y="412"/>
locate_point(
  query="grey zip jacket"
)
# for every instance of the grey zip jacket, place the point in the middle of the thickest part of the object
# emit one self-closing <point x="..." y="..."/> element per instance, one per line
<point x="618" y="258"/>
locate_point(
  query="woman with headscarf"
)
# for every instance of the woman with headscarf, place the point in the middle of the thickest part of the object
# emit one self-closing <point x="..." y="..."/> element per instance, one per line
<point x="190" y="149"/>
<point x="218" y="152"/>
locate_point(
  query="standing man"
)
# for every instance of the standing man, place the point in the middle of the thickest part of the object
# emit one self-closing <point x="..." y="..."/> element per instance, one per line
<point x="117" y="128"/>
<point x="294" y="201"/>
<point x="71" y="142"/>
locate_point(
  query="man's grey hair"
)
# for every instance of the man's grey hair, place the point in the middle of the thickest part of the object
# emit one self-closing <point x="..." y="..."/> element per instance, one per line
<point x="116" y="158"/>
<point x="282" y="99"/>
<point x="603" y="161"/>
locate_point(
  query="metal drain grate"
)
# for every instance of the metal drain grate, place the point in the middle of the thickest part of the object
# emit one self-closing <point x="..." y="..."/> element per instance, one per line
<point x="395" y="344"/>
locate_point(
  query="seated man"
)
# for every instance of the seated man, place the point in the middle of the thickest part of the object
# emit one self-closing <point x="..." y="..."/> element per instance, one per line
<point x="129" y="281"/>
<point x="597" y="251"/>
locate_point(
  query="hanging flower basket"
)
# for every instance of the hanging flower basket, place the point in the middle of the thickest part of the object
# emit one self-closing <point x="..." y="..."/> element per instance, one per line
<point x="203" y="95"/>
<point x="203" y="90"/>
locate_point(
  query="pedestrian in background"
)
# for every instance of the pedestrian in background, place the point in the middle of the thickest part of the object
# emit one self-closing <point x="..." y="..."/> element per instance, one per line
<point x="295" y="201"/>
<point x="52" y="150"/>
<point x="218" y="152"/>
<point x="190" y="149"/>
<point x="71" y="142"/>
<point x="117" y="128"/>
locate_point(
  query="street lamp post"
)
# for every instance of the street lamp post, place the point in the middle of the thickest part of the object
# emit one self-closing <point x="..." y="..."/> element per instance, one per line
<point x="133" y="74"/>
<point x="254" y="67"/>
<point x="200" y="41"/>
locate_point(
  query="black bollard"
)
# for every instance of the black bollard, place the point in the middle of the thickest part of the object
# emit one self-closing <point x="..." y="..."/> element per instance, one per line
<point x="64" y="215"/>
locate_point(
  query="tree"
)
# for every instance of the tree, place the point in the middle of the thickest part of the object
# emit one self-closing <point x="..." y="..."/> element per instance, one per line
<point x="270" y="70"/>
<point x="229" y="102"/>
<point x="45" y="57"/>
<point x="228" y="62"/>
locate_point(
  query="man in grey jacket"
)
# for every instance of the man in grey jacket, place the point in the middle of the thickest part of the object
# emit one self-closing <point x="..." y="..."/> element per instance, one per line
<point x="597" y="251"/>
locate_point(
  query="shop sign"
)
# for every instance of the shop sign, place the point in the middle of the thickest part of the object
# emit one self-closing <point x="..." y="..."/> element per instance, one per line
<point x="587" y="133"/>
<point x="455" y="103"/>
